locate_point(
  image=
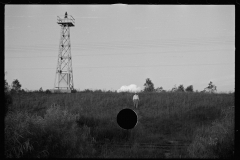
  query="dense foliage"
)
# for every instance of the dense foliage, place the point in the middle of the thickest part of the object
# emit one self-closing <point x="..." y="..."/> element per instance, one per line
<point x="148" y="86"/>
<point x="189" y="88"/>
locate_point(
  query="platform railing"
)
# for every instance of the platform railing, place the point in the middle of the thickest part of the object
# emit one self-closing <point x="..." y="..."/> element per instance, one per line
<point x="69" y="19"/>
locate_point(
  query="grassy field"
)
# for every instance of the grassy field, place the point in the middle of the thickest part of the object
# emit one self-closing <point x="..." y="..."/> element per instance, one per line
<point x="84" y="124"/>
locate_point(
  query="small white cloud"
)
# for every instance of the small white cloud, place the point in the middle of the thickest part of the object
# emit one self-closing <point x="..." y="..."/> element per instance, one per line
<point x="130" y="88"/>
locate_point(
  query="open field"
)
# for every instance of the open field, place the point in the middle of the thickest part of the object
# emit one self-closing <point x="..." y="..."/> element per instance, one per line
<point x="84" y="125"/>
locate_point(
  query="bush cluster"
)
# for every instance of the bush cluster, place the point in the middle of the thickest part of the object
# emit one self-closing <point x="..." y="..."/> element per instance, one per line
<point x="216" y="140"/>
<point x="54" y="135"/>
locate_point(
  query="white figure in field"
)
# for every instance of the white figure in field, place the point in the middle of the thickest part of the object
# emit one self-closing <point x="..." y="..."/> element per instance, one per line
<point x="135" y="100"/>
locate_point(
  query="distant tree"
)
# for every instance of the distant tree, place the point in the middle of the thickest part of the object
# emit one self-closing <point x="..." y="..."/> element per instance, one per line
<point x="41" y="90"/>
<point x="189" y="88"/>
<point x="6" y="86"/>
<point x="74" y="91"/>
<point x="16" y="86"/>
<point x="174" y="88"/>
<point x="211" y="88"/>
<point x="48" y="91"/>
<point x="149" y="86"/>
<point x="180" y="88"/>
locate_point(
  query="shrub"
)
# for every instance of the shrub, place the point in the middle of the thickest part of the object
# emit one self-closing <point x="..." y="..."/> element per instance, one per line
<point x="48" y="91"/>
<point x="180" y="88"/>
<point x="74" y="91"/>
<point x="189" y="88"/>
<point x="215" y="141"/>
<point x="54" y="135"/>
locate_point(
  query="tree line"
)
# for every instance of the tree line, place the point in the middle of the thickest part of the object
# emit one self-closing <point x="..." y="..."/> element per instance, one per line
<point x="149" y="87"/>
<point x="15" y="87"/>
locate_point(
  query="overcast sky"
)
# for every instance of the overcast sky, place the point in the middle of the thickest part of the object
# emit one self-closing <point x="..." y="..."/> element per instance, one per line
<point x="121" y="45"/>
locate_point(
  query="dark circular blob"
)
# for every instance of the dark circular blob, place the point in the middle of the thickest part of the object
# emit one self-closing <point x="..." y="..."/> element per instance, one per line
<point x="127" y="118"/>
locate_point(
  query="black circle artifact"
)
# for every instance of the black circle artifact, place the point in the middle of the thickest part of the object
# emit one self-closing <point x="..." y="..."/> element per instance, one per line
<point x="127" y="118"/>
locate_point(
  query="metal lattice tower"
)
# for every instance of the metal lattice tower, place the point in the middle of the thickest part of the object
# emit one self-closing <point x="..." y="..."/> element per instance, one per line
<point x="64" y="72"/>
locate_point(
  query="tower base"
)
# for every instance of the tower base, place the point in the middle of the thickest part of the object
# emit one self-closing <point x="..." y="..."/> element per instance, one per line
<point x="61" y="91"/>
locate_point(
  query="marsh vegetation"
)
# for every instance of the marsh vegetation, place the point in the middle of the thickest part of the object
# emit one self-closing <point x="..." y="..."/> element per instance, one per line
<point x="84" y="124"/>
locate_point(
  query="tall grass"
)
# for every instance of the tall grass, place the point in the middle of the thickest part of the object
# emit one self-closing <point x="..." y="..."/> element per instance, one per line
<point x="215" y="140"/>
<point x="76" y="125"/>
<point x="54" y="135"/>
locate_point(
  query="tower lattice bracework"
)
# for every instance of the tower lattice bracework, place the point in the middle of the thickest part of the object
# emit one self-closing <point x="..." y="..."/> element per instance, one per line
<point x="64" y="72"/>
